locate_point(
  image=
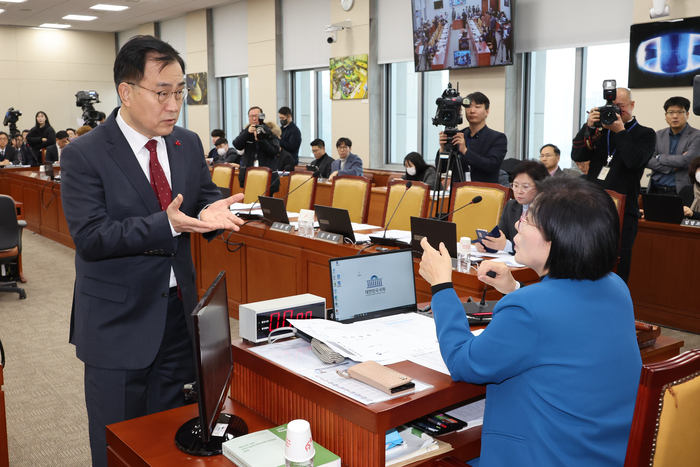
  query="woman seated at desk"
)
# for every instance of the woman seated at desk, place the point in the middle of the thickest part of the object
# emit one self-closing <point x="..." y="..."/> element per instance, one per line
<point x="525" y="178"/>
<point x="560" y="357"/>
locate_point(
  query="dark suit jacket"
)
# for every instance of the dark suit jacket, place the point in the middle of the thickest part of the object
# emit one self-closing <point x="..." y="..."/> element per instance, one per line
<point x="51" y="154"/>
<point x="484" y="156"/>
<point x="26" y="156"/>
<point x="10" y="154"/>
<point x="323" y="165"/>
<point x="124" y="244"/>
<point x="511" y="214"/>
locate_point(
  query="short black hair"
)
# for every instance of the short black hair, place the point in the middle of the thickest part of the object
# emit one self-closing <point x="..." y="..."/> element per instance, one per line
<point x="255" y="107"/>
<point x="581" y="221"/>
<point x="70" y="129"/>
<point x="3" y="133"/>
<point x="692" y="169"/>
<point x="677" y="101"/>
<point x="218" y="132"/>
<point x="61" y="134"/>
<point x="557" y="151"/>
<point x="345" y="141"/>
<point x="221" y="140"/>
<point x="534" y="169"/>
<point x="318" y="142"/>
<point x="285" y="111"/>
<point x="479" y="98"/>
<point x="130" y="64"/>
<point x="101" y="116"/>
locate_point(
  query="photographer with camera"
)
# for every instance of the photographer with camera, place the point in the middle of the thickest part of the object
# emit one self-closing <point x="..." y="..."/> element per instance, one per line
<point x="618" y="149"/>
<point x="260" y="147"/>
<point x="481" y="149"/>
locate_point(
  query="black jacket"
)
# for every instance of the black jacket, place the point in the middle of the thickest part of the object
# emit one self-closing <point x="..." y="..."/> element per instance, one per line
<point x="485" y="153"/>
<point x="323" y="164"/>
<point x="35" y="136"/>
<point x="291" y="141"/>
<point x="264" y="151"/>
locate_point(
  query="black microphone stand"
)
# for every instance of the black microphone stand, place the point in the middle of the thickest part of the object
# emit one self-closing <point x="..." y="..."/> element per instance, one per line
<point x="392" y="241"/>
<point x="256" y="217"/>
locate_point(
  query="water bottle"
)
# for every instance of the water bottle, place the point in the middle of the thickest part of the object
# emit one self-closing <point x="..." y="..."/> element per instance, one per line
<point x="306" y="229"/>
<point x="464" y="250"/>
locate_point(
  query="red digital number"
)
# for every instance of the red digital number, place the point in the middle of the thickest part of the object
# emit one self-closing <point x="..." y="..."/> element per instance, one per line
<point x="272" y="318"/>
<point x="291" y="315"/>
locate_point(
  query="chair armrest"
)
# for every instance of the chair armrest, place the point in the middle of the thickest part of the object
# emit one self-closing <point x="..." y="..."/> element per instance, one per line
<point x="22" y="224"/>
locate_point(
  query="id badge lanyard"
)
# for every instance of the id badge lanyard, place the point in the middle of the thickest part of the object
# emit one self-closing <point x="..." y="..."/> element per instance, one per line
<point x="604" y="171"/>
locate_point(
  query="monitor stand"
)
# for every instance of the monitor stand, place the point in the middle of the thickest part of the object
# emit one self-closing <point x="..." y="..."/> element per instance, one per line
<point x="189" y="436"/>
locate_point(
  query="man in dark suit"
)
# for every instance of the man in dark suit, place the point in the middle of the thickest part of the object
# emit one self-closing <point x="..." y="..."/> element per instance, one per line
<point x="480" y="148"/>
<point x="133" y="190"/>
<point x="25" y="155"/>
<point x="323" y="161"/>
<point x="291" y="135"/>
<point x="8" y="155"/>
<point x="549" y="156"/>
<point x="53" y="153"/>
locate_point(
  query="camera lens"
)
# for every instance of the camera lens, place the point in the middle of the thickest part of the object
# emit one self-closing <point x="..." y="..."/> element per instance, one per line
<point x="608" y="117"/>
<point x="447" y="117"/>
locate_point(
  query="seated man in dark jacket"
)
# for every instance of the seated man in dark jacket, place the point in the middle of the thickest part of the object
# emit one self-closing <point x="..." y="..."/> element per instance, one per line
<point x="323" y="161"/>
<point x="224" y="153"/>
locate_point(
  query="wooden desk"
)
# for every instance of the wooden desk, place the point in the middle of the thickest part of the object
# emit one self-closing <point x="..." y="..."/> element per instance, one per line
<point x="274" y="265"/>
<point x="4" y="452"/>
<point x="150" y="440"/>
<point x="352" y="430"/>
<point x="665" y="275"/>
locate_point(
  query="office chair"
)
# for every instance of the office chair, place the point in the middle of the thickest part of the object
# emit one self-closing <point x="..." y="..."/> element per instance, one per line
<point x="665" y="422"/>
<point x="257" y="181"/>
<point x="304" y="197"/>
<point x="414" y="203"/>
<point x="484" y="215"/>
<point x="10" y="242"/>
<point x="352" y="192"/>
<point x="221" y="175"/>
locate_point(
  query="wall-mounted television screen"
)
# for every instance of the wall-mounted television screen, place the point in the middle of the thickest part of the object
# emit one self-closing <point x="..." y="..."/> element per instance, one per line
<point x="453" y="34"/>
<point x="665" y="53"/>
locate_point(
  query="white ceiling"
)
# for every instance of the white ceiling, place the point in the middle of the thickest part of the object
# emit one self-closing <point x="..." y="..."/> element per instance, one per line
<point x="32" y="13"/>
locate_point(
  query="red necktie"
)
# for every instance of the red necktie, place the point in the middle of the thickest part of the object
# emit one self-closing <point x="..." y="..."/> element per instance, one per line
<point x="158" y="181"/>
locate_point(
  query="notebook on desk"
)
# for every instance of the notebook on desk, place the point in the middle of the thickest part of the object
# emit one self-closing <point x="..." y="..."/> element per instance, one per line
<point x="371" y="286"/>
<point x="663" y="208"/>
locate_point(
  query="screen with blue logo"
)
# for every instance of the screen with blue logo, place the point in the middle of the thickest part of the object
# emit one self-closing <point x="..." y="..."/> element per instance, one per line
<point x="369" y="286"/>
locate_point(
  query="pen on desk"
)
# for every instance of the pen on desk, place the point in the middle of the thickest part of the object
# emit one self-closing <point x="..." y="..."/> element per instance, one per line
<point x="427" y="427"/>
<point x="446" y="419"/>
<point x="437" y="422"/>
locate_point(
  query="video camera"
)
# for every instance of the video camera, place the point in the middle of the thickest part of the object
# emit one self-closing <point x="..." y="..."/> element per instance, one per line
<point x="608" y="112"/>
<point x="449" y="113"/>
<point x="84" y="100"/>
<point x="263" y="131"/>
<point x="11" y="119"/>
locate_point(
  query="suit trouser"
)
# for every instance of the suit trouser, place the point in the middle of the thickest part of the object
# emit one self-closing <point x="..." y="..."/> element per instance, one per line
<point x="113" y="396"/>
<point x="629" y="233"/>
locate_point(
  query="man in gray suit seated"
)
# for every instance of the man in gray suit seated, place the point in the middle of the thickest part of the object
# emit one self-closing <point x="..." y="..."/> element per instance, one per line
<point x="675" y="148"/>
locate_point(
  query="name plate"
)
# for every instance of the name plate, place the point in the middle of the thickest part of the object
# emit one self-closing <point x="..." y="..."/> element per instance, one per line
<point x="691" y="222"/>
<point x="281" y="227"/>
<point x="329" y="237"/>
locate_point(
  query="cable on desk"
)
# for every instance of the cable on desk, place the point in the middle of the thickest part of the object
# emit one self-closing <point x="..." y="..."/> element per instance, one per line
<point x="229" y="243"/>
<point x="53" y="194"/>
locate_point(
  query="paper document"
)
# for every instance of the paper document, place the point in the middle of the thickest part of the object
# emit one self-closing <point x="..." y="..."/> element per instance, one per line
<point x="240" y="206"/>
<point x="356" y="227"/>
<point x="400" y="235"/>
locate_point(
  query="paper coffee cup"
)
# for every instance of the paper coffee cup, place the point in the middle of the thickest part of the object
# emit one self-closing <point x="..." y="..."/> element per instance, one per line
<point x="299" y="446"/>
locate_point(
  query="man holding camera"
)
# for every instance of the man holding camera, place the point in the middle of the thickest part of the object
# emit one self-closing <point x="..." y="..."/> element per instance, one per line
<point x="618" y="153"/>
<point x="676" y="147"/>
<point x="259" y="148"/>
<point x="480" y="148"/>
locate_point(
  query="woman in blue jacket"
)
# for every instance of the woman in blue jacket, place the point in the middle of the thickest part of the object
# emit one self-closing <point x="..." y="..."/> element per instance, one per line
<point x="560" y="358"/>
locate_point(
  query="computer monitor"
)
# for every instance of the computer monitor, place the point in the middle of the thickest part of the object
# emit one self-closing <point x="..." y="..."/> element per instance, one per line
<point x="371" y="286"/>
<point x="203" y="435"/>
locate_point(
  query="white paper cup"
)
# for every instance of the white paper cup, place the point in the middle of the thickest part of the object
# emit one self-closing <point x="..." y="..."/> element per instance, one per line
<point x="299" y="446"/>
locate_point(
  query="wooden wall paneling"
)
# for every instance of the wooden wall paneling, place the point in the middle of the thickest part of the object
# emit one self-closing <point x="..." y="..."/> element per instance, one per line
<point x="214" y="257"/>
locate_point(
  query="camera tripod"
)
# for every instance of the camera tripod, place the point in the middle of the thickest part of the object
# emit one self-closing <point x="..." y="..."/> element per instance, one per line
<point x="450" y="158"/>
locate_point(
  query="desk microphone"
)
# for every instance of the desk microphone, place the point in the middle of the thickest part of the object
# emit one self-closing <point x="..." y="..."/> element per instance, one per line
<point x="475" y="200"/>
<point x="256" y="217"/>
<point x="392" y="241"/>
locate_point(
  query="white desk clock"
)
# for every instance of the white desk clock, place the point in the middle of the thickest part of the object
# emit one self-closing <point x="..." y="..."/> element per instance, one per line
<point x="257" y="320"/>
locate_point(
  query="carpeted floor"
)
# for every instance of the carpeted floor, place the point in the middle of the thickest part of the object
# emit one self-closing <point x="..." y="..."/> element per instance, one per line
<point x="46" y="418"/>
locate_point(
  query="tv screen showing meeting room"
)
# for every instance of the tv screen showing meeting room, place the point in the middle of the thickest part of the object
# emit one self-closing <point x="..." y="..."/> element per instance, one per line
<point x="454" y="34"/>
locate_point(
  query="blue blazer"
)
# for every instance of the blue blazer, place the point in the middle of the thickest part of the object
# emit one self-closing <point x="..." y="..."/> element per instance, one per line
<point x="353" y="165"/>
<point x="124" y="244"/>
<point x="562" y="366"/>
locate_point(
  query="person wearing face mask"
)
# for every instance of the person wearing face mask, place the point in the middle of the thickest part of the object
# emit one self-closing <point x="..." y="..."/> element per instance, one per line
<point x="691" y="193"/>
<point x="418" y="171"/>
<point x="290" y="140"/>
<point x="224" y="153"/>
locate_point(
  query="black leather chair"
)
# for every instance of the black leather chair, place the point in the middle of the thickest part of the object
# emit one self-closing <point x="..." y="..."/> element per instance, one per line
<point x="10" y="244"/>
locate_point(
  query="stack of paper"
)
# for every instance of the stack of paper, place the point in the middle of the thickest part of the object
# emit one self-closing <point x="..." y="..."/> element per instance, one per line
<point x="416" y="445"/>
<point x="266" y="449"/>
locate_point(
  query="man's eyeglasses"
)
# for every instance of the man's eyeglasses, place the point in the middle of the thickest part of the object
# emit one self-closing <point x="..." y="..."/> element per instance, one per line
<point x="164" y="96"/>
<point x="673" y="113"/>
<point x="342" y="148"/>
<point x="524" y="187"/>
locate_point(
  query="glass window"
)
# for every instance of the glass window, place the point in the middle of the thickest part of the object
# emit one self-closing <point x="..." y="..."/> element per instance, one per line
<point x="550" y="118"/>
<point x="235" y="100"/>
<point x="434" y="84"/>
<point x="603" y="62"/>
<point x="182" y="119"/>
<point x="403" y="107"/>
<point x="311" y="104"/>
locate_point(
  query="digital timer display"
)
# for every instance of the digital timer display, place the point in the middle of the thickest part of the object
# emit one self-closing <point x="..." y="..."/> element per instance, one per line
<point x="269" y="321"/>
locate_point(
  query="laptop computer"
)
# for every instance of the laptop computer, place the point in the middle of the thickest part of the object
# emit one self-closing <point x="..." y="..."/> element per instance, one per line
<point x="334" y="220"/>
<point x="663" y="208"/>
<point x="273" y="209"/>
<point x="371" y="286"/>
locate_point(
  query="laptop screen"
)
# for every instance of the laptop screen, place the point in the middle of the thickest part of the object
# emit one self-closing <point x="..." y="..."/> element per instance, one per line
<point x="370" y="286"/>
